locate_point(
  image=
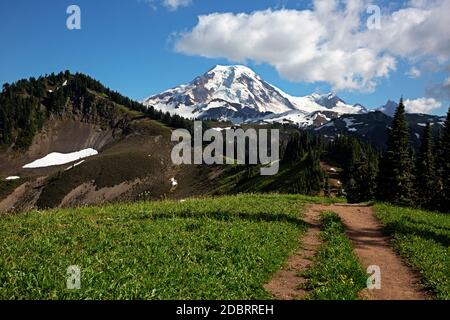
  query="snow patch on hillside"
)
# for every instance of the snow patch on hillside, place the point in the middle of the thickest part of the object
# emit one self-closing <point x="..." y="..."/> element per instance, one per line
<point x="56" y="158"/>
<point x="12" y="178"/>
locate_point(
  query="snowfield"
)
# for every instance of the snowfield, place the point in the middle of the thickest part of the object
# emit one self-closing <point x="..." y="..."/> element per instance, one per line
<point x="56" y="158"/>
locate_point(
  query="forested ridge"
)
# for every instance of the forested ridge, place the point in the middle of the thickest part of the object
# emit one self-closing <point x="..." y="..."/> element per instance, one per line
<point x="26" y="104"/>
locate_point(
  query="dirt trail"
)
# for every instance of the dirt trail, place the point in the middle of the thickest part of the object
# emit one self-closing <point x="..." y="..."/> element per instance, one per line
<point x="286" y="282"/>
<point x="372" y="247"/>
<point x="398" y="282"/>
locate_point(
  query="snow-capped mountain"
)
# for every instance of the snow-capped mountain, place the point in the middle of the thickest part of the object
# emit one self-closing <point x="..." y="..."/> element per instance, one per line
<point x="238" y="94"/>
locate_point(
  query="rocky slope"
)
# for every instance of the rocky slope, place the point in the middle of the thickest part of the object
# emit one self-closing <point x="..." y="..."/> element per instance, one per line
<point x="133" y="160"/>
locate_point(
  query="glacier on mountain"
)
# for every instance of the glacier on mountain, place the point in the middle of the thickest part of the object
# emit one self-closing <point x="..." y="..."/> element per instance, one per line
<point x="238" y="94"/>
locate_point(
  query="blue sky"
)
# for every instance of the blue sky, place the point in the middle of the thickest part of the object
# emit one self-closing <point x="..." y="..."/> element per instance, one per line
<point x="129" y="45"/>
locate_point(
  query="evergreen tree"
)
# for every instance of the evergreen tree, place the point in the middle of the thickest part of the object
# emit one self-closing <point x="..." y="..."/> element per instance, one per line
<point x="359" y="162"/>
<point x="439" y="167"/>
<point x="310" y="179"/>
<point x="362" y="183"/>
<point x="445" y="163"/>
<point x="425" y="171"/>
<point x="396" y="180"/>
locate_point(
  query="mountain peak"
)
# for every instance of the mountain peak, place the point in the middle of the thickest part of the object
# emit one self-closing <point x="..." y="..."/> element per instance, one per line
<point x="235" y="67"/>
<point x="389" y="108"/>
<point x="236" y="93"/>
<point x="234" y="71"/>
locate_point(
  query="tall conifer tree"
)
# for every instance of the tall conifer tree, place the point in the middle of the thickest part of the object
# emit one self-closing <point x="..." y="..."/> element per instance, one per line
<point x="396" y="179"/>
<point x="426" y="185"/>
<point x="445" y="163"/>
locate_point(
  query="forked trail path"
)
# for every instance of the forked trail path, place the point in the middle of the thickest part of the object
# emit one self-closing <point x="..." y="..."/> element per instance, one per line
<point x="398" y="281"/>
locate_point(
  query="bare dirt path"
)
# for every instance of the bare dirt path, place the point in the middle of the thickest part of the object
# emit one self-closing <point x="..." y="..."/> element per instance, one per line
<point x="398" y="282"/>
<point x="285" y="284"/>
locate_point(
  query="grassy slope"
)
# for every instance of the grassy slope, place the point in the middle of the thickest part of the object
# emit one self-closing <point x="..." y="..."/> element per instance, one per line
<point x="237" y="180"/>
<point x="336" y="273"/>
<point x="423" y="239"/>
<point x="224" y="247"/>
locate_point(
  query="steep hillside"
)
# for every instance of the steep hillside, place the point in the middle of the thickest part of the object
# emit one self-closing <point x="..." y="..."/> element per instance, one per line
<point x="56" y="116"/>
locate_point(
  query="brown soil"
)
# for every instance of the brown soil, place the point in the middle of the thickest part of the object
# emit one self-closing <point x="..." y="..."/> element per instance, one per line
<point x="398" y="282"/>
<point x="372" y="247"/>
<point x="87" y="194"/>
<point x="286" y="283"/>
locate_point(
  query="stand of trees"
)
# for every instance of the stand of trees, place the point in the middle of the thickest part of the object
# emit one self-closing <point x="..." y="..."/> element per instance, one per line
<point x="359" y="161"/>
<point x="398" y="175"/>
<point x="304" y="150"/>
<point x="421" y="180"/>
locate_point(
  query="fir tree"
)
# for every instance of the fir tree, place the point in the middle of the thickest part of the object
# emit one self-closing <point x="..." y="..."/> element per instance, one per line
<point x="361" y="183"/>
<point x="395" y="180"/>
<point x="445" y="163"/>
<point x="425" y="171"/>
<point x="359" y="162"/>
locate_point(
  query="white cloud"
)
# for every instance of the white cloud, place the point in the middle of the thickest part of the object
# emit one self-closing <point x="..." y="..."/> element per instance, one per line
<point x="414" y="73"/>
<point x="171" y="4"/>
<point x="422" y="105"/>
<point x="175" y="4"/>
<point x="327" y="43"/>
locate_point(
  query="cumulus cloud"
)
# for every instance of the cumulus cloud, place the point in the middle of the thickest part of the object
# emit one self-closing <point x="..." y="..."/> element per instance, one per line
<point x="330" y="43"/>
<point x="414" y="73"/>
<point x="422" y="105"/>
